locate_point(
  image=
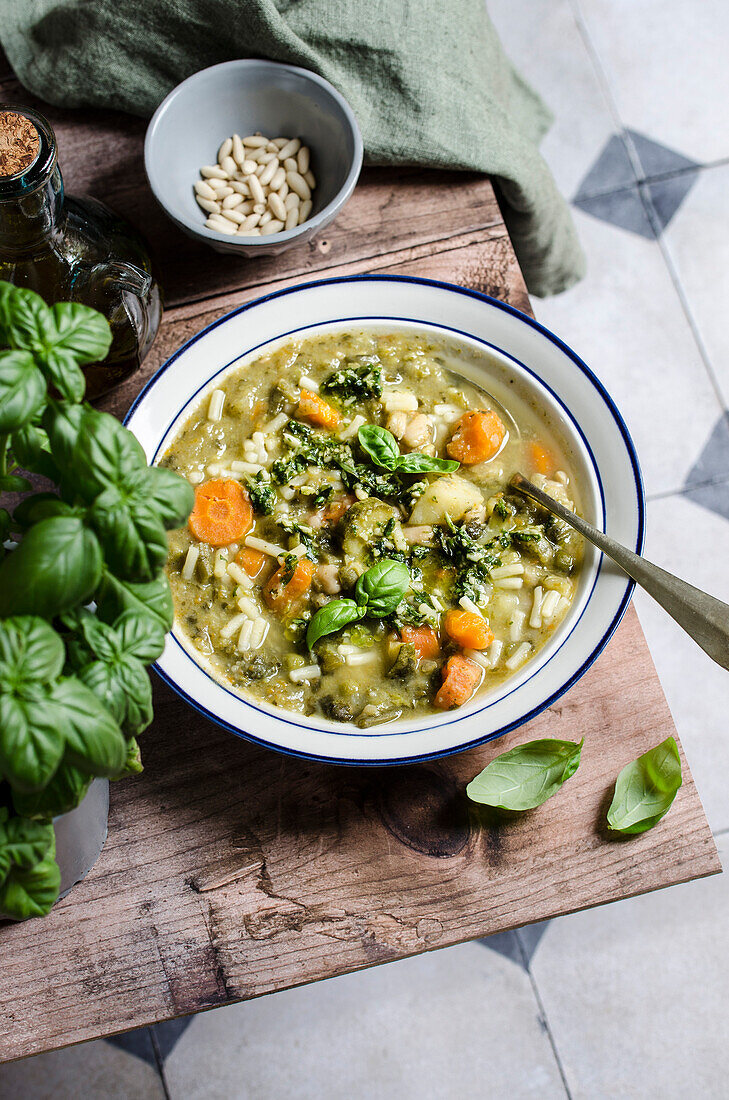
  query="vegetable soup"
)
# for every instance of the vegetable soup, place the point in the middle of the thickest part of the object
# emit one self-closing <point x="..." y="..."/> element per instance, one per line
<point x="355" y="550"/>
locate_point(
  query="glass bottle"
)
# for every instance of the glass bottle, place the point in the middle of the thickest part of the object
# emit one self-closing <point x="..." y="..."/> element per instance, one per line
<point x="74" y="249"/>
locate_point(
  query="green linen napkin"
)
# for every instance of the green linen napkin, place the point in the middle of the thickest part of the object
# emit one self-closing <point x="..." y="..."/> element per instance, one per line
<point x="428" y="81"/>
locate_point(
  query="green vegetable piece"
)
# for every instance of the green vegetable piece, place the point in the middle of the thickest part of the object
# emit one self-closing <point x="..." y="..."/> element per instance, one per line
<point x="380" y="445"/>
<point x="526" y="776"/>
<point x="22" y="390"/>
<point x="382" y="587"/>
<point x="416" y="463"/>
<point x="262" y="495"/>
<point x="57" y="566"/>
<point x="645" y="789"/>
<point x="332" y="617"/>
<point x="355" y="383"/>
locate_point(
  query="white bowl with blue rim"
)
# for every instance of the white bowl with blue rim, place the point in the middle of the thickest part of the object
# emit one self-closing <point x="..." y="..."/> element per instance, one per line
<point x="603" y="458"/>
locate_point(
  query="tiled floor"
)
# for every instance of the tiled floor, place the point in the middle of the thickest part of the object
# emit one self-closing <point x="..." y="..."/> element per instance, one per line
<point x="625" y="1001"/>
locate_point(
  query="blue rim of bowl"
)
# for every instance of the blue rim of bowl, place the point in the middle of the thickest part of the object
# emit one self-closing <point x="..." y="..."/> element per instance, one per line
<point x="312" y="225"/>
<point x="596" y="651"/>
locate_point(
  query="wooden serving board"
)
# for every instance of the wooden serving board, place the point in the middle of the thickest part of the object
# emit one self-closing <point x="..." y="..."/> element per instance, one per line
<point x="231" y="871"/>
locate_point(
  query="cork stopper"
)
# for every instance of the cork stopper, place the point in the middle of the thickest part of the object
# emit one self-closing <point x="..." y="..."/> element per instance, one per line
<point x="19" y="143"/>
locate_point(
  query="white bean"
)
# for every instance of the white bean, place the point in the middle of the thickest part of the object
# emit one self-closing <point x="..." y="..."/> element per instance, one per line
<point x="302" y="159"/>
<point x="298" y="184"/>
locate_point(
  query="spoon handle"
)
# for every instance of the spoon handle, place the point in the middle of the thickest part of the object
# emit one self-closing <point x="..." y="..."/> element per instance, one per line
<point x="702" y="616"/>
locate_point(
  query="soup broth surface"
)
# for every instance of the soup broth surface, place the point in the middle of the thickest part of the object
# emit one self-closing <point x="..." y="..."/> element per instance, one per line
<point x="298" y="497"/>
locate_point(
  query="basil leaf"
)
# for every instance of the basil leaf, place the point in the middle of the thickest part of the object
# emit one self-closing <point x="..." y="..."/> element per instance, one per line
<point x="24" y="317"/>
<point x="24" y="843"/>
<point x="79" y="330"/>
<point x="22" y="390"/>
<point x="131" y="534"/>
<point x="61" y="369"/>
<point x="172" y="495"/>
<point x="30" y="649"/>
<point x="56" y="566"/>
<point x="31" y="739"/>
<point x="380" y="445"/>
<point x="92" y="449"/>
<point x="382" y="587"/>
<point x="140" y="638"/>
<point x="11" y="483"/>
<point x="151" y="601"/>
<point x="30" y="447"/>
<point x="41" y="506"/>
<point x="134" y="764"/>
<point x="62" y="794"/>
<point x="32" y="892"/>
<point x="417" y="463"/>
<point x="332" y="617"/>
<point x="124" y="688"/>
<point x="94" y="742"/>
<point x="526" y="776"/>
<point x="645" y="789"/>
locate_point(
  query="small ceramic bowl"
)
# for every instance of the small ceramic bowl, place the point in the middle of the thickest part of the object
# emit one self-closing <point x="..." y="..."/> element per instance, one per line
<point x="242" y="97"/>
<point x="545" y="371"/>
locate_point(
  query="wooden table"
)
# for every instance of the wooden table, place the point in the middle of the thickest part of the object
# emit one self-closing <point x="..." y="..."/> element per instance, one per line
<point x="231" y="871"/>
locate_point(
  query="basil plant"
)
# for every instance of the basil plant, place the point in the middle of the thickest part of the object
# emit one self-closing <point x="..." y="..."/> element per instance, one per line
<point x="84" y="602"/>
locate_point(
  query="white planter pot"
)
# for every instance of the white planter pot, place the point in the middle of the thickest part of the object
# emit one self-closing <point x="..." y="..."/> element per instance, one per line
<point x="80" y="835"/>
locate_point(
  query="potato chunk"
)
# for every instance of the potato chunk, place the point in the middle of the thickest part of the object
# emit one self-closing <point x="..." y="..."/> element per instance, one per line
<point x="450" y="495"/>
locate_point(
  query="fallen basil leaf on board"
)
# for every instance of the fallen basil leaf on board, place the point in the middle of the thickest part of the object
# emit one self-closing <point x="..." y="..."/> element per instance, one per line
<point x="645" y="789"/>
<point x="526" y="776"/>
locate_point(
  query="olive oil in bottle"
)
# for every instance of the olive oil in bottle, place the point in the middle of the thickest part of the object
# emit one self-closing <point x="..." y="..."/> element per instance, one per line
<point x="72" y="249"/>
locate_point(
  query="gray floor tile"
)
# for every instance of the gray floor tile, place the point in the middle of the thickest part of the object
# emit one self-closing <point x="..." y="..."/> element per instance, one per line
<point x="542" y="39"/>
<point x="626" y="321"/>
<point x="442" y="1025"/>
<point x="665" y="62"/>
<point x="635" y="994"/>
<point x="94" y="1071"/>
<point x="692" y="542"/>
<point x="698" y="242"/>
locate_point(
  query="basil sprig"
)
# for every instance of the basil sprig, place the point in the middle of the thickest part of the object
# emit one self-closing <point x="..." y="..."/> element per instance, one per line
<point x="377" y="594"/>
<point x="383" y="449"/>
<point x="645" y="789"/>
<point x="526" y="776"/>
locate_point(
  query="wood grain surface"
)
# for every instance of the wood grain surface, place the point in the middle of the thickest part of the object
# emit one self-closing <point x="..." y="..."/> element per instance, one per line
<point x="231" y="871"/>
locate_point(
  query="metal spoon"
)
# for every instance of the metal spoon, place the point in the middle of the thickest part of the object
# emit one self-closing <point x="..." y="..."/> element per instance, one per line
<point x="703" y="617"/>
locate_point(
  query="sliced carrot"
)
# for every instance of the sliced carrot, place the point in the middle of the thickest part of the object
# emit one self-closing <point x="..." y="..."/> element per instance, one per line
<point x="222" y="512"/>
<point x="424" y="638"/>
<point x="317" y="411"/>
<point x="251" y="562"/>
<point x="477" y="437"/>
<point x="334" y="511"/>
<point x="285" y="586"/>
<point x="541" y="459"/>
<point x="467" y="629"/>
<point x="461" y="677"/>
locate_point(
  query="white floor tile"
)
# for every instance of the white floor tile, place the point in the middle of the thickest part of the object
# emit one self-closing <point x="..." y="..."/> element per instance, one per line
<point x="665" y="61"/>
<point x="635" y="994"/>
<point x="461" y="1021"/>
<point x="94" y="1071"/>
<point x="693" y="543"/>
<point x="542" y="39"/>
<point x="698" y="240"/>
<point x="625" y="320"/>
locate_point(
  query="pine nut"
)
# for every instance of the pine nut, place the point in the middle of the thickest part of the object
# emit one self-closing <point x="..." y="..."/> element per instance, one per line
<point x="250" y="223"/>
<point x="225" y="149"/>
<point x="278" y="177"/>
<point x="212" y="170"/>
<point x="217" y="184"/>
<point x="269" y="172"/>
<point x="234" y="216"/>
<point x="204" y="190"/>
<point x="292" y="217"/>
<point x="255" y="188"/>
<point x="255" y="232"/>
<point x="223" y="192"/>
<point x="266" y="217"/>
<point x="266" y="158"/>
<point x="272" y="147"/>
<point x="283" y="190"/>
<point x="208" y="205"/>
<point x="255" y="141"/>
<point x="232" y="200"/>
<point x="237" y="150"/>
<point x="280" y="142"/>
<point x="288" y="150"/>
<point x="222" y="226"/>
<point x="255" y="155"/>
<point x="272" y="227"/>
<point x="241" y="188"/>
<point x="302" y="159"/>
<point x="229" y="166"/>
<point x="305" y="210"/>
<point x="277" y="207"/>
<point x="292" y="201"/>
<point x="310" y="178"/>
<point x="248" y="166"/>
<point x="291" y="164"/>
<point x="298" y="184"/>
